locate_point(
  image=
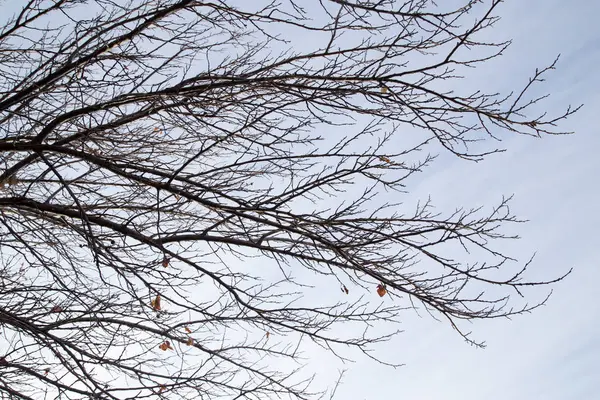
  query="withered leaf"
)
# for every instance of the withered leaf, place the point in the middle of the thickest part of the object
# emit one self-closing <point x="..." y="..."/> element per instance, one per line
<point x="381" y="290"/>
<point x="166" y="345"/>
<point x="155" y="303"/>
<point x="56" y="309"/>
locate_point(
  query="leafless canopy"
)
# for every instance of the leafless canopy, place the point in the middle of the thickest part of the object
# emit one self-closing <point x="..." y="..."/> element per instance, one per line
<point x="194" y="192"/>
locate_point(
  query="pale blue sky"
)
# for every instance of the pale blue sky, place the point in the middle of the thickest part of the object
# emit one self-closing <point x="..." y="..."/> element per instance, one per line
<point x="552" y="354"/>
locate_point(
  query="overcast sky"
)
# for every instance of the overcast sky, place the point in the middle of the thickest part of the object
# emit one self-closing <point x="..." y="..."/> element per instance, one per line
<point x="553" y="353"/>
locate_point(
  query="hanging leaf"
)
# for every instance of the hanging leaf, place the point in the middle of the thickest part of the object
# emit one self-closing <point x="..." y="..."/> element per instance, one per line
<point x="381" y="290"/>
<point x="156" y="303"/>
<point x="165" y="261"/>
<point x="161" y="389"/>
<point x="268" y="334"/>
<point x="166" y="345"/>
<point x="385" y="159"/>
<point x="345" y="289"/>
<point x="190" y="342"/>
<point x="56" y="309"/>
<point x="188" y="330"/>
<point x="12" y="180"/>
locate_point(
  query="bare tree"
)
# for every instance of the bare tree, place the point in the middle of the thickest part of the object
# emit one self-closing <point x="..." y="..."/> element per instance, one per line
<point x="183" y="181"/>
